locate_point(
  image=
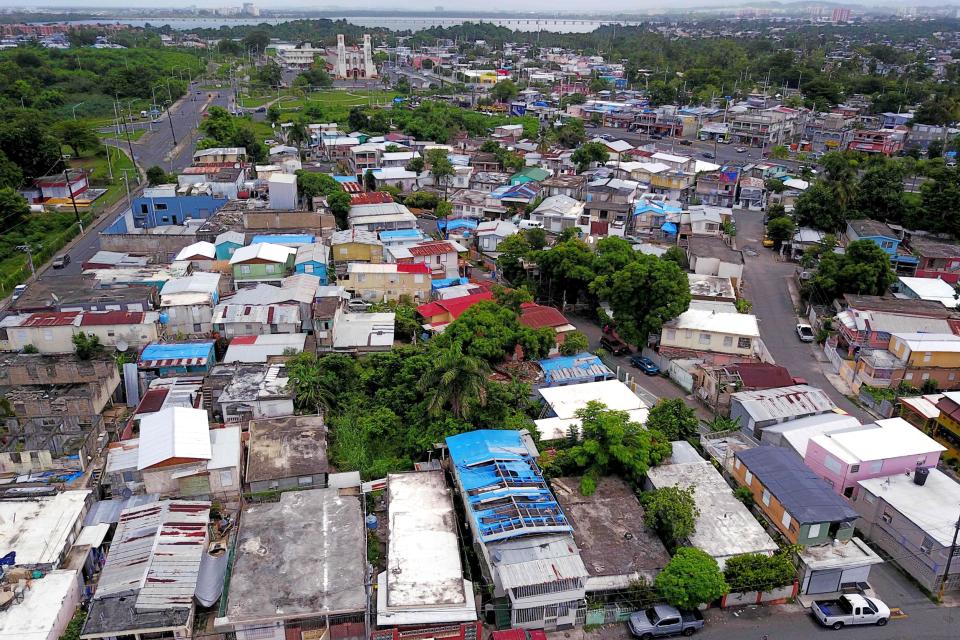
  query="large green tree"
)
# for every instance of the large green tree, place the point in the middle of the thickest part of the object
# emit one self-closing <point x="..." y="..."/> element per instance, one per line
<point x="566" y="270"/>
<point x="504" y="91"/>
<point x="819" y="207"/>
<point x="863" y="268"/>
<point x="590" y="153"/>
<point x="879" y="194"/>
<point x="492" y="332"/>
<point x="456" y="381"/>
<point x="643" y="295"/>
<point x="440" y="168"/>
<point x="690" y="579"/>
<point x="673" y="418"/>
<point x="671" y="512"/>
<point x="79" y="135"/>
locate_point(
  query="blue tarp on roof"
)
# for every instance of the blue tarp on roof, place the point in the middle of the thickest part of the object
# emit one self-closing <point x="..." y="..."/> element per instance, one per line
<point x="503" y="487"/>
<point x="176" y="350"/>
<point x="285" y="238"/>
<point x="443" y="283"/>
<point x="457" y="223"/>
<point x="669" y="228"/>
<point x="582" y="367"/>
<point x="342" y="179"/>
<point x="400" y="234"/>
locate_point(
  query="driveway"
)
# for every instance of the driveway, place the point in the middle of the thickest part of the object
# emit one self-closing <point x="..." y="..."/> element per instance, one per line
<point x="766" y="286"/>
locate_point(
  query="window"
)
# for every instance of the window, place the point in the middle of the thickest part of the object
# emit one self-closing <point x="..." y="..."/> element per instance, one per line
<point x="47" y="334"/>
<point x="160" y="206"/>
<point x="308" y="268"/>
<point x="226" y="478"/>
<point x="786" y="520"/>
<point x="728" y="341"/>
<point x="304" y="481"/>
<point x="245" y="269"/>
<point x="854" y="468"/>
<point x="671" y="334"/>
<point x="704" y="338"/>
<point x="231" y="250"/>
<point x="813" y="531"/>
<point x="748" y="479"/>
<point x="129" y="476"/>
<point x="848" y="492"/>
<point x="260" y="633"/>
<point x="736" y="463"/>
<point x="744" y="343"/>
<point x="876" y="466"/>
<point x="343" y="251"/>
<point x="909" y="376"/>
<point x="886" y="516"/>
<point x="271" y="268"/>
<point x="197" y="328"/>
<point x="925" y="376"/>
<point x="766" y="497"/>
<point x="868" y="497"/>
<point x="831" y="463"/>
<point x="927" y="356"/>
<point x="927" y="545"/>
<point x="274" y="484"/>
<point x="952" y="376"/>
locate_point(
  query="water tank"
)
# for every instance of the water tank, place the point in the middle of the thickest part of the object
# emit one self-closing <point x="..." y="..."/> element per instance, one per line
<point x="164" y="318"/>
<point x="372" y="522"/>
<point x="920" y="476"/>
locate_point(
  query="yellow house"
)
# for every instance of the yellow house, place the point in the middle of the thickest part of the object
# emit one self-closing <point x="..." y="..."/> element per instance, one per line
<point x="381" y="282"/>
<point x="928" y="356"/>
<point x="356" y="246"/>
<point x="704" y="329"/>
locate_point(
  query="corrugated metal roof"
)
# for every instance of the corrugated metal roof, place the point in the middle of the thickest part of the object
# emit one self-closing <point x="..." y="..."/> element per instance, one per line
<point x="541" y="571"/>
<point x="576" y="367"/>
<point x="109" y="510"/>
<point x="156" y="552"/>
<point x="784" y="402"/>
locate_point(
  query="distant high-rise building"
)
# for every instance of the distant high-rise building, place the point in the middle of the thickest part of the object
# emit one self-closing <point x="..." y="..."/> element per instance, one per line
<point x="840" y="14"/>
<point x="251" y="9"/>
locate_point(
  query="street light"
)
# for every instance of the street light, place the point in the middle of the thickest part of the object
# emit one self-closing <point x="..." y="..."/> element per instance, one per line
<point x="74" y="108"/>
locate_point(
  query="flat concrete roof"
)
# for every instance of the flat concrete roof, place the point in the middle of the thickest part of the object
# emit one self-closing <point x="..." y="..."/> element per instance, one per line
<point x="38" y="528"/>
<point x="45" y="602"/>
<point x="286" y="447"/>
<point x="615" y="545"/>
<point x="300" y="557"/>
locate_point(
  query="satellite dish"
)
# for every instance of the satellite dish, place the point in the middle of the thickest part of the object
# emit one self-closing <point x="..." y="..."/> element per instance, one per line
<point x="122" y="345"/>
<point x="236" y="165"/>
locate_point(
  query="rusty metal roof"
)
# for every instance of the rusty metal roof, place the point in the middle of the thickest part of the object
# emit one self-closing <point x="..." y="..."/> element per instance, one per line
<point x="156" y="554"/>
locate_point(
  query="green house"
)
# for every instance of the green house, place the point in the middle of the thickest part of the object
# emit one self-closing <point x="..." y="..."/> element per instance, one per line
<point x="529" y="174"/>
<point x="263" y="262"/>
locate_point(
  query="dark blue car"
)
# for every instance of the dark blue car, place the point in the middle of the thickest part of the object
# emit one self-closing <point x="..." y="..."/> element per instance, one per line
<point x="645" y="364"/>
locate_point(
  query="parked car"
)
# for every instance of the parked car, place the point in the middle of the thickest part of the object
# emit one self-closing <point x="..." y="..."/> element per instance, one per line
<point x="686" y="142"/>
<point x="850" y="609"/>
<point x="805" y="332"/>
<point x="614" y="346"/>
<point x="656" y="136"/>
<point x="358" y="304"/>
<point x="741" y="149"/>
<point x="645" y="364"/>
<point x="61" y="261"/>
<point x="709" y="155"/>
<point x="664" y="620"/>
<point x="261" y="109"/>
<point x="18" y="291"/>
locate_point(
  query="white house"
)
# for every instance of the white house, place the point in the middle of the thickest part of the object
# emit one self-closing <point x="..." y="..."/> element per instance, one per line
<point x="559" y="212"/>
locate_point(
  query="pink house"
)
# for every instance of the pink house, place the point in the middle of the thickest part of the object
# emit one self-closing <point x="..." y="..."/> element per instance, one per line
<point x="884" y="448"/>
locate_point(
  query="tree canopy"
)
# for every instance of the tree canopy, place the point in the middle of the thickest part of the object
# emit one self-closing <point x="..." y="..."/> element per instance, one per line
<point x="671" y="512"/>
<point x="863" y="268"/>
<point x="690" y="579"/>
<point x="673" y="418"/>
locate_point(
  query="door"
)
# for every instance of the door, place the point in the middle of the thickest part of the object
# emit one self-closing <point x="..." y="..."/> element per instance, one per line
<point x="824" y="581"/>
<point x="668" y="626"/>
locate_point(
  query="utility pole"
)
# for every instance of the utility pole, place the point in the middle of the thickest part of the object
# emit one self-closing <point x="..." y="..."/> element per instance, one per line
<point x="29" y="251"/>
<point x="953" y="551"/>
<point x="73" y="200"/>
<point x="126" y="130"/>
<point x="170" y="120"/>
<point x="126" y="183"/>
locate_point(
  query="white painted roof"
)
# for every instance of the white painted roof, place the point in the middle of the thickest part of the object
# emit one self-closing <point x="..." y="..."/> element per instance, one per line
<point x="934" y="507"/>
<point x="177" y="432"/>
<point x="931" y="289"/>
<point x="205" y="249"/>
<point x="558" y="428"/>
<point x="197" y="282"/>
<point x="670" y="158"/>
<point x="282" y="178"/>
<point x="262" y="251"/>
<point x="568" y="399"/>
<point x="890" y="438"/>
<point x="224" y="448"/>
<point x="797" y="433"/>
<point x="699" y="319"/>
<point x="932" y="342"/>
<point x="359" y="330"/>
<point x="38" y="528"/>
<point x="47" y="604"/>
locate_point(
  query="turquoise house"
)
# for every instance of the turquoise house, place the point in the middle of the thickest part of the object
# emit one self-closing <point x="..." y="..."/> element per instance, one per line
<point x="227" y="243"/>
<point x="529" y="174"/>
<point x="312" y="260"/>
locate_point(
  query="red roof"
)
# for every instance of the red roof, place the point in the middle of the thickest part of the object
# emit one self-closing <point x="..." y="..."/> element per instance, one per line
<point x="453" y="306"/>
<point x="762" y="375"/>
<point x="416" y="267"/>
<point x="374" y="197"/>
<point x="244" y="340"/>
<point x="152" y="401"/>
<point x="351" y="187"/>
<point x="51" y="319"/>
<point x="536" y="316"/>
<point x="95" y="318"/>
<point x="435" y="248"/>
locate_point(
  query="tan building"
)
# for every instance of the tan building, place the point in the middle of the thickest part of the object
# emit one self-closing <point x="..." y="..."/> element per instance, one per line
<point x="379" y="282"/>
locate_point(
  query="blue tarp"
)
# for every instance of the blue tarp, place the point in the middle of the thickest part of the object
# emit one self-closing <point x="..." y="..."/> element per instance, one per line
<point x="176" y="350"/>
<point x="669" y="228"/>
<point x="443" y="283"/>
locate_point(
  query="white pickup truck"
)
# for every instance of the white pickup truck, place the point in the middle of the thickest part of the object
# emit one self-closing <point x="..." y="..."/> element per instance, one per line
<point x="850" y="609"/>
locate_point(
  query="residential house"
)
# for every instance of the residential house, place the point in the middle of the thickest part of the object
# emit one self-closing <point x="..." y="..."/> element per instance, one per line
<point x="528" y="556"/>
<point x="861" y="329"/>
<point x="353" y="245"/>
<point x="795" y="435"/>
<point x="887" y="142"/>
<point x="609" y="204"/>
<point x="516" y="197"/>
<point x="188" y="303"/>
<point x="490" y="234"/>
<point x="576" y="369"/>
<point x="231" y="320"/>
<point x="287" y="453"/>
<point x="359" y="333"/>
<point x="238" y="393"/>
<point x="936" y="259"/>
<point x="42" y="608"/>
<point x="798" y="502"/>
<point x="312" y="259"/>
<point x="704" y="329"/>
<point x="766" y="407"/>
<point x="42" y="528"/>
<point x="171" y="204"/>
<point x="53" y="331"/>
<point x="885" y="238"/>
<point x="82" y="292"/>
<point x="289" y="573"/>
<point x="617" y="548"/>
<point x="912" y="518"/>
<point x="713" y="257"/>
<point x="397" y="177"/>
<point x="378" y="282"/>
<point x="146" y="587"/>
<point x="928" y="289"/>
<point x="227" y="244"/>
<point x="704" y="221"/>
<point x="529" y="174"/>
<point x="753" y="194"/>
<point x="220" y="155"/>
<point x="265" y="348"/>
<point x="946" y="422"/>
<point x="223" y="182"/>
<point x="177" y="358"/>
<point x="711" y="288"/>
<point x="889" y="446"/>
<point x="365" y="157"/>
<point x="714" y="384"/>
<point x="926" y="356"/>
<point x="440" y="256"/>
<point x="59" y="188"/>
<point x="488" y="180"/>
<point x="562" y="402"/>
<point x="439" y="313"/>
<point x="724" y="528"/>
<point x="261" y="262"/>
<point x="380" y="217"/>
<point x="538" y="316"/>
<point x="564" y="185"/>
<point x="718" y="188"/>
<point x="423" y="532"/>
<point x="557" y="213"/>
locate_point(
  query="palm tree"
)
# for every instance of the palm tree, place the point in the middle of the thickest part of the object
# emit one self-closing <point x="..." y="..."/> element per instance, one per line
<point x="297" y="135"/>
<point x="457" y="381"/>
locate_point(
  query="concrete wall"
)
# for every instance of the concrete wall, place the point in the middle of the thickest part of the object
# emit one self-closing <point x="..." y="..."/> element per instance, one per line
<point x="160" y="248"/>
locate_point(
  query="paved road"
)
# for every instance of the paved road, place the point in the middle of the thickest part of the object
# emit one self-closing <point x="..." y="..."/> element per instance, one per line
<point x="765" y="285"/>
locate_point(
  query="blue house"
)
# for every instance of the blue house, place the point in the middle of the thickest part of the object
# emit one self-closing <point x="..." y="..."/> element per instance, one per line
<point x="885" y="238"/>
<point x="575" y="369"/>
<point x="312" y="259"/>
<point x="227" y="243"/>
<point x="162" y="205"/>
<point x="177" y="358"/>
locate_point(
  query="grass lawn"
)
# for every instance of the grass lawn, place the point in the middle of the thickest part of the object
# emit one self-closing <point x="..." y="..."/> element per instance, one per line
<point x="135" y="134"/>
